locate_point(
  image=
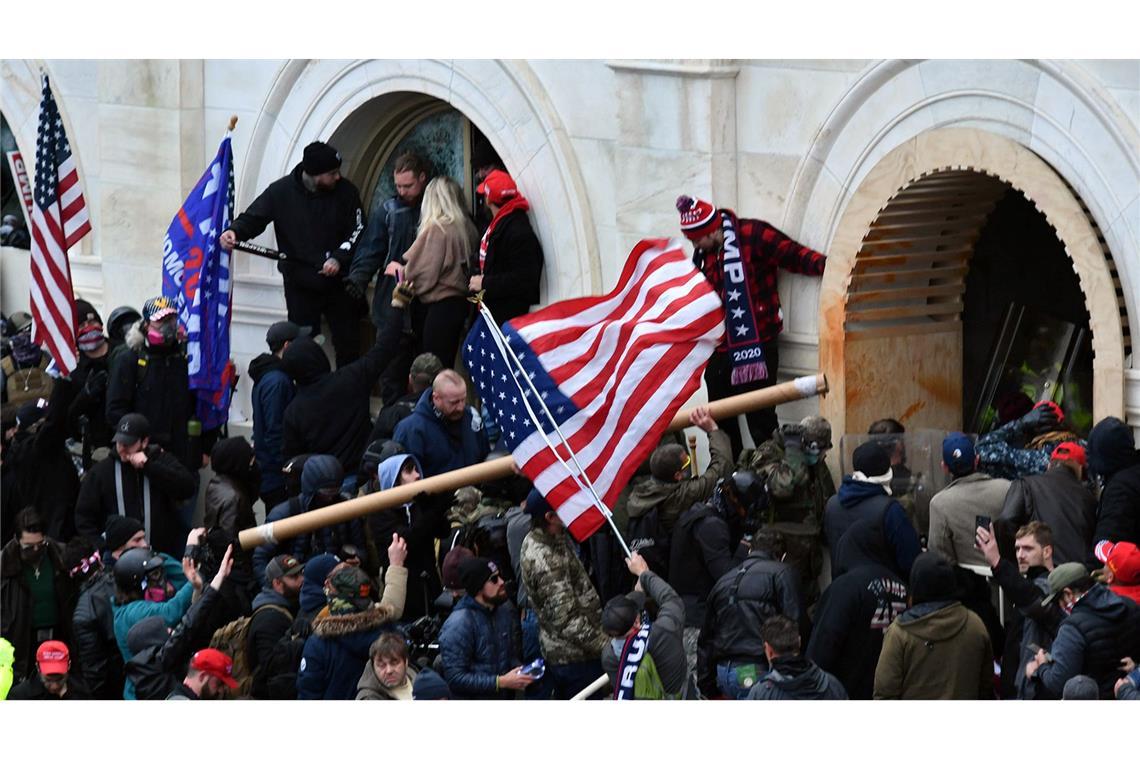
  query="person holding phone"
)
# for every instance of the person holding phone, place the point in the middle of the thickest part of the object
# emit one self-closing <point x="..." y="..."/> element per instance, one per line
<point x="971" y="500"/>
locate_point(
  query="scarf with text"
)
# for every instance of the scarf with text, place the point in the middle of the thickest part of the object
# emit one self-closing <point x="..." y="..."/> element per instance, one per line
<point x="633" y="654"/>
<point x="745" y="348"/>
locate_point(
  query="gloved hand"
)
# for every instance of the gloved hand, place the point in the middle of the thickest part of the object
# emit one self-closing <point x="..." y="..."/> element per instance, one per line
<point x="354" y="289"/>
<point x="96" y="384"/>
<point x="1040" y="419"/>
<point x="793" y="436"/>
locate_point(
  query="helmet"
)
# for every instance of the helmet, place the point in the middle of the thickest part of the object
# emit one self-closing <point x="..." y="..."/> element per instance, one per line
<point x="746" y="487"/>
<point x="120" y="320"/>
<point x="817" y="433"/>
<point x="133" y="566"/>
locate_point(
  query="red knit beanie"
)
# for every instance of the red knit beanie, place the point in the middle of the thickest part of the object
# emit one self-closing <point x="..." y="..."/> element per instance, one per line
<point x="698" y="218"/>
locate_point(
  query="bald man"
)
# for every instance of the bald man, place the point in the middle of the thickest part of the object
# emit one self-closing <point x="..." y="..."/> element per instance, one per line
<point x="443" y="432"/>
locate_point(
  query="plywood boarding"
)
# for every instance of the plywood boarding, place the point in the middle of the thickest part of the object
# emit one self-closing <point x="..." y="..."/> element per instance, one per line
<point x="917" y="379"/>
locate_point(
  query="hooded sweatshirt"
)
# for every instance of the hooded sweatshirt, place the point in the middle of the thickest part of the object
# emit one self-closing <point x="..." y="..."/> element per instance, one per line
<point x="439" y="445"/>
<point x="272" y="391"/>
<point x="330" y="413"/>
<point x="862" y="500"/>
<point x="796" y="677"/>
<point x="415" y="522"/>
<point x="1112" y="455"/>
<point x="935" y="650"/>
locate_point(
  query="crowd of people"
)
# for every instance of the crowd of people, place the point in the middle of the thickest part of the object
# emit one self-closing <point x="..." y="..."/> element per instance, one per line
<point x="755" y="578"/>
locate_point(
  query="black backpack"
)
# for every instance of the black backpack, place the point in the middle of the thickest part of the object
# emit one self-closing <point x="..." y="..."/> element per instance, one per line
<point x="276" y="676"/>
<point x="647" y="536"/>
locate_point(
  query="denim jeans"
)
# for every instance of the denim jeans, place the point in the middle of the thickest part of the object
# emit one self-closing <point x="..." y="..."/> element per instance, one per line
<point x="569" y="679"/>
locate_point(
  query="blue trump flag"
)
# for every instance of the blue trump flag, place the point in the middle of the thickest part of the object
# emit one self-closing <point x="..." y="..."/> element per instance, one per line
<point x="196" y="276"/>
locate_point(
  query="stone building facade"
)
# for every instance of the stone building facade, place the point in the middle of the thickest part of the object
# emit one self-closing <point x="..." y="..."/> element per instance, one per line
<point x="822" y="149"/>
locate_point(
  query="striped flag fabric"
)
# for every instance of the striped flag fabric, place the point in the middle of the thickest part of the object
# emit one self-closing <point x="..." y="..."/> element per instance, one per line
<point x="613" y="370"/>
<point x="59" y="221"/>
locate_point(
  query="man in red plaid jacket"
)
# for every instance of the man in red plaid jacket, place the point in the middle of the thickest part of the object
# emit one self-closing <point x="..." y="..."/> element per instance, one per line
<point x="731" y="251"/>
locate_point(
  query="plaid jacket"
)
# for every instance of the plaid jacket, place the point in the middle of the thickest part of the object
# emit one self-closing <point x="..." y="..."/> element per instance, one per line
<point x="763" y="248"/>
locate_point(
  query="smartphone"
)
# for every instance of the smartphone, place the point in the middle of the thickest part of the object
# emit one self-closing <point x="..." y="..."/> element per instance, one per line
<point x="982" y="521"/>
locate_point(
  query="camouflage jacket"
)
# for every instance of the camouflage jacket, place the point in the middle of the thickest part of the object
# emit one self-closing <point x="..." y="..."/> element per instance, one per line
<point x="797" y="491"/>
<point x="568" y="608"/>
<point x="1005" y="454"/>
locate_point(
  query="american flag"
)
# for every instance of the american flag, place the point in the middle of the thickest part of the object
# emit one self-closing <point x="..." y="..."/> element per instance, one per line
<point x="59" y="220"/>
<point x="613" y="370"/>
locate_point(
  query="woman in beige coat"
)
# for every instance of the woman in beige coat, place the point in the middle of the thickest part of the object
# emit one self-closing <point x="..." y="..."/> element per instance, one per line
<point x="437" y="269"/>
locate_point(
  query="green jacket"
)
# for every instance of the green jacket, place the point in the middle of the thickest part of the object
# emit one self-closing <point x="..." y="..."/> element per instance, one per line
<point x="568" y="608"/>
<point x="797" y="491"/>
<point x="672" y="499"/>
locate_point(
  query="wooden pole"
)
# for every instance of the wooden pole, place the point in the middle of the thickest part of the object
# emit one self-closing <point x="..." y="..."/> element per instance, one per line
<point x="693" y="456"/>
<point x="281" y="530"/>
<point x="233" y="122"/>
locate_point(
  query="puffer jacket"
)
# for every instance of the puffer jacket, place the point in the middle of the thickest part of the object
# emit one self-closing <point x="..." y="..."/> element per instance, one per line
<point x="1112" y="454"/>
<point x="738" y="605"/>
<point x="860" y="500"/>
<point x="559" y="591"/>
<point x="160" y="661"/>
<point x="272" y="391"/>
<point x="441" y="446"/>
<point x="672" y="499"/>
<point x="1102" y="628"/>
<point x="936" y="650"/>
<point x="796" y="678"/>
<point x="336" y="651"/>
<point x="476" y="646"/>
<point x="94" y="652"/>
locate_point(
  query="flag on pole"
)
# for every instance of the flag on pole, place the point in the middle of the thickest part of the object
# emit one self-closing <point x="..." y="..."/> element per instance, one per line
<point x="612" y="370"/>
<point x="59" y="221"/>
<point x="196" y="276"/>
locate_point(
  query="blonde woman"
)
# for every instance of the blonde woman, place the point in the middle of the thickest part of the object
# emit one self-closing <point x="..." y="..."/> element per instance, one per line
<point x="436" y="268"/>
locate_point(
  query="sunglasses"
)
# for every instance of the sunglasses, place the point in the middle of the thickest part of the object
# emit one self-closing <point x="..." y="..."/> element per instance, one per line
<point x="495" y="578"/>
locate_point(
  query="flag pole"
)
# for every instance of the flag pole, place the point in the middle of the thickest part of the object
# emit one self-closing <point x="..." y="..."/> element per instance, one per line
<point x="509" y="354"/>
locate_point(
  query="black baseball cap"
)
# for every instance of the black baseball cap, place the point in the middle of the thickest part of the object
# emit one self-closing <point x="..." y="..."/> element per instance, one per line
<point x="281" y="333"/>
<point x="131" y="429"/>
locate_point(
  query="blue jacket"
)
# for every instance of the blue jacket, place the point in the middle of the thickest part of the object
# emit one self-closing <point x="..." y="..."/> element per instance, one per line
<point x="272" y="392"/>
<point x="171" y="611"/>
<point x="440" y="446"/>
<point x="855" y="501"/>
<point x="477" y="645"/>
<point x="337" y="650"/>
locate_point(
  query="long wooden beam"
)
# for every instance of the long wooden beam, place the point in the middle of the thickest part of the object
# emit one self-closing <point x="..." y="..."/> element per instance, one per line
<point x="281" y="530"/>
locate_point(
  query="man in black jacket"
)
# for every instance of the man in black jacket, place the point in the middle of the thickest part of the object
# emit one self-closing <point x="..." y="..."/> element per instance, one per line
<point x="43" y="468"/>
<point x="1030" y="626"/>
<point x="317" y="217"/>
<point x="329" y="414"/>
<point x="34" y="590"/>
<point x="424" y="369"/>
<point x="1113" y="457"/>
<point x="388" y="236"/>
<point x="730" y="648"/>
<point x="140" y="480"/>
<point x="96" y="653"/>
<point x="273" y="390"/>
<point x="87" y="412"/>
<point x="274" y="608"/>
<point x="864" y="597"/>
<point x="510" y="256"/>
<point x="52" y="679"/>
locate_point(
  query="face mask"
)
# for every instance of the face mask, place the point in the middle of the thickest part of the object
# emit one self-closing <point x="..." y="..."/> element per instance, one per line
<point x="31" y="554"/>
<point x="90" y="338"/>
<point x="155" y="594"/>
<point x="164" y="334"/>
<point x="811" y="459"/>
<point x="321" y="500"/>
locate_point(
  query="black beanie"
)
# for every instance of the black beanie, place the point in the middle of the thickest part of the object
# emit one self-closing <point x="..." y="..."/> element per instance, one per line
<point x="619" y="615"/>
<point x="871" y="459"/>
<point x="932" y="579"/>
<point x="319" y="158"/>
<point x="119" y="530"/>
<point x="474" y="572"/>
<point x="85" y="311"/>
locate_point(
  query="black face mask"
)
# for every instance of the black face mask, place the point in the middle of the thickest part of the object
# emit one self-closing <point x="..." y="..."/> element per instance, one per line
<point x="323" y="500"/>
<point x="31" y="554"/>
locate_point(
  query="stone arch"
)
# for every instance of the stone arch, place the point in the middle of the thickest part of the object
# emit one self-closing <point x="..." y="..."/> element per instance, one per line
<point x="310" y="100"/>
<point x="979" y="152"/>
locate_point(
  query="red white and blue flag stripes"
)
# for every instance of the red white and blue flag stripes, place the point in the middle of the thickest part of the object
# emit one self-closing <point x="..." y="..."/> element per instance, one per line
<point x="59" y="221"/>
<point x="611" y="370"/>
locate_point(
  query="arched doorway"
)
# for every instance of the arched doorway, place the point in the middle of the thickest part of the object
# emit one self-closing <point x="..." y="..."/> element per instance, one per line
<point x="895" y="289"/>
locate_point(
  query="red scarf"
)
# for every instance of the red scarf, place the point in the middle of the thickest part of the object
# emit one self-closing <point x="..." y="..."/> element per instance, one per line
<point x="518" y="203"/>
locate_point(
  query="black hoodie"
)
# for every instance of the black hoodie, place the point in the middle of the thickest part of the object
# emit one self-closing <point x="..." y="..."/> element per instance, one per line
<point x="1112" y="454"/>
<point x="796" y="677"/>
<point x="330" y="413"/>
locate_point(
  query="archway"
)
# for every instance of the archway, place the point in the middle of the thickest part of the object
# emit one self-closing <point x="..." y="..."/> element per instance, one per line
<point x="892" y="295"/>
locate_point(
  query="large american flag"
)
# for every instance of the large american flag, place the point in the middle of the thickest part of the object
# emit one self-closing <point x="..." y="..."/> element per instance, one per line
<point x="613" y="370"/>
<point x="59" y="220"/>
